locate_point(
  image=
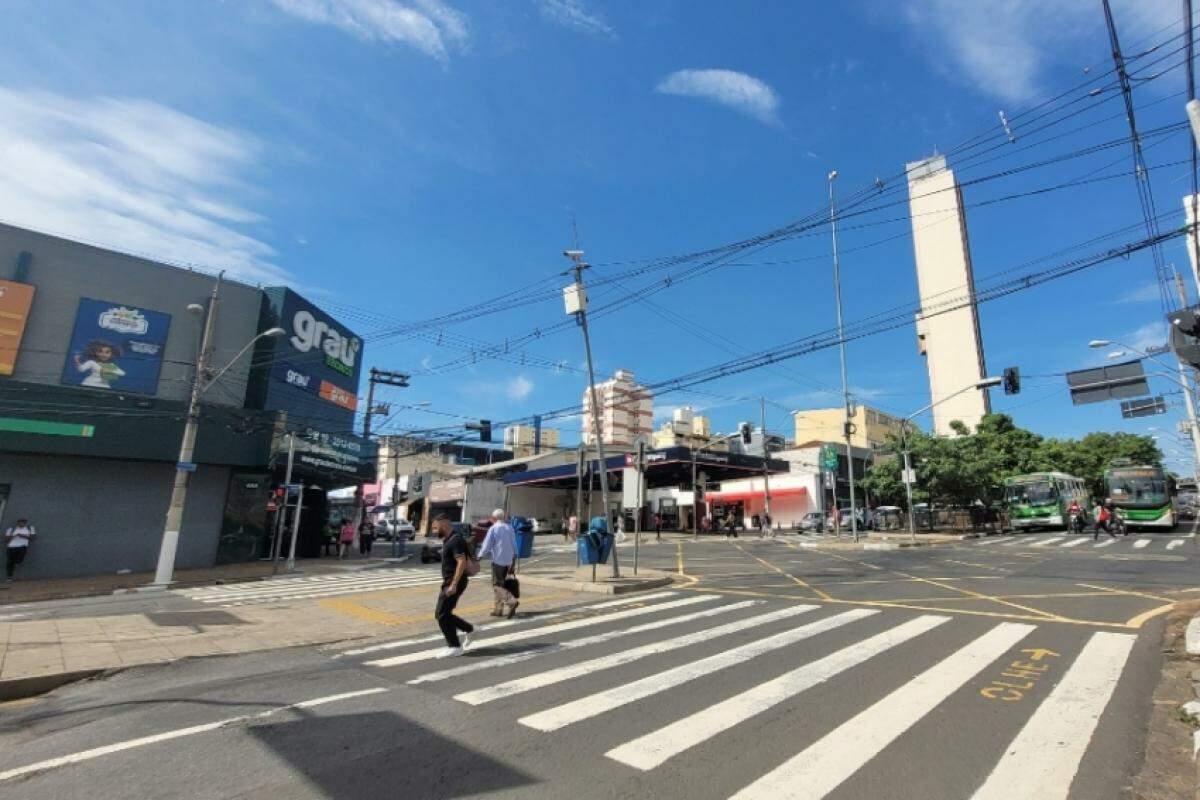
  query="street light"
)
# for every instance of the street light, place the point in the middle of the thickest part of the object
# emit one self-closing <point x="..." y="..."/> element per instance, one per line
<point x="184" y="466"/>
<point x="847" y="425"/>
<point x="986" y="383"/>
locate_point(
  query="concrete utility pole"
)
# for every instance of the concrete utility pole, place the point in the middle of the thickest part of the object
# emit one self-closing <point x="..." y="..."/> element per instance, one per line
<point x="576" y="299"/>
<point x="1188" y="398"/>
<point x="388" y="378"/>
<point x="184" y="466"/>
<point x="849" y="425"/>
<point x="287" y="482"/>
<point x="762" y="417"/>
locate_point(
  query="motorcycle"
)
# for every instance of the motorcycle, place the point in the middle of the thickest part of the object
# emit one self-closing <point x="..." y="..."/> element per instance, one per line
<point x="1076" y="523"/>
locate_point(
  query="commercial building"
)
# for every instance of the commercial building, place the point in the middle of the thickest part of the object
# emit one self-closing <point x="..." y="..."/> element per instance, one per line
<point x="528" y="440"/>
<point x="871" y="426"/>
<point x="626" y="412"/>
<point x="948" y="323"/>
<point x="96" y="364"/>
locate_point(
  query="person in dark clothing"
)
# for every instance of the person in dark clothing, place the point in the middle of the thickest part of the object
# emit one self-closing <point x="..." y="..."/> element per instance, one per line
<point x="455" y="555"/>
<point x="366" y="537"/>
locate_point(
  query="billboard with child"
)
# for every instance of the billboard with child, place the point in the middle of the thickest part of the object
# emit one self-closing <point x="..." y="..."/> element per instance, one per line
<point x="116" y="346"/>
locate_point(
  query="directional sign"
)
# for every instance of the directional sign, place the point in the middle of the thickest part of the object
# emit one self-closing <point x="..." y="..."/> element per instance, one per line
<point x="829" y="458"/>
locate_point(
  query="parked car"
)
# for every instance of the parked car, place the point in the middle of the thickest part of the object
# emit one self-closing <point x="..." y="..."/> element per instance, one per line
<point x="812" y="521"/>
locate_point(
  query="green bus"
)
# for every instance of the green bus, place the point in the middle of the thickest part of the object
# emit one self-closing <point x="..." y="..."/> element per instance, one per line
<point x="1041" y="499"/>
<point x="1141" y="495"/>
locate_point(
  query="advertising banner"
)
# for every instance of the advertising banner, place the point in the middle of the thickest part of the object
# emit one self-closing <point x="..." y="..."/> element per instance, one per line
<point x="115" y="346"/>
<point x="15" y="301"/>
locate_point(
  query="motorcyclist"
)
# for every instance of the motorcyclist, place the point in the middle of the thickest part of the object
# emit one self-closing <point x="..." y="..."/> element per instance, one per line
<point x="1075" y="517"/>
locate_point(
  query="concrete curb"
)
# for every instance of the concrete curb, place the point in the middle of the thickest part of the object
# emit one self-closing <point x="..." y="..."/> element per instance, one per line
<point x="22" y="688"/>
<point x="1192" y="638"/>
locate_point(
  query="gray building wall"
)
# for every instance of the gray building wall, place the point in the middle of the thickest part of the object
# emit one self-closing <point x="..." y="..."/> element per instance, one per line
<point x="96" y="516"/>
<point x="62" y="272"/>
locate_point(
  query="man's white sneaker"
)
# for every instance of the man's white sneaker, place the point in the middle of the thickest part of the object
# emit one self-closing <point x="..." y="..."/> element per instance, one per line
<point x="466" y="640"/>
<point x="450" y="652"/>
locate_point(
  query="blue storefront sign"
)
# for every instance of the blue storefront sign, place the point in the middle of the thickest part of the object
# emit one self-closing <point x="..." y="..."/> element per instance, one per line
<point x="116" y="346"/>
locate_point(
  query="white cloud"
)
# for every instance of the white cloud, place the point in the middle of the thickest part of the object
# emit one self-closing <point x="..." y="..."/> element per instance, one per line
<point x="1144" y="294"/>
<point x="1152" y="334"/>
<point x="1003" y="47"/>
<point x="427" y="25"/>
<point x="574" y="14"/>
<point x="736" y="90"/>
<point x="519" y="388"/>
<point x="132" y="175"/>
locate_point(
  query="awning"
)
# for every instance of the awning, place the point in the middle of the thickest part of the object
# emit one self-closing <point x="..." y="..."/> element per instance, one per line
<point x="791" y="491"/>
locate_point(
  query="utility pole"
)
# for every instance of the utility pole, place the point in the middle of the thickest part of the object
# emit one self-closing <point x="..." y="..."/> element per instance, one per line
<point x="184" y="466"/>
<point x="1189" y="400"/>
<point x="849" y="426"/>
<point x="762" y="424"/>
<point x="388" y="378"/>
<point x="287" y="492"/>
<point x="695" y="505"/>
<point x="579" y="497"/>
<point x="576" y="300"/>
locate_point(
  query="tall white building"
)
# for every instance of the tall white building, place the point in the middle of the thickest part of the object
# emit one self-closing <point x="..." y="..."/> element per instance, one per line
<point x="626" y="411"/>
<point x="947" y="330"/>
<point x="521" y="439"/>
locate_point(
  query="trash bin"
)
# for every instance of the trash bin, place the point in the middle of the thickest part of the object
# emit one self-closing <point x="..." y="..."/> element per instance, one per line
<point x="599" y="539"/>
<point x="586" y="548"/>
<point x="524" y="531"/>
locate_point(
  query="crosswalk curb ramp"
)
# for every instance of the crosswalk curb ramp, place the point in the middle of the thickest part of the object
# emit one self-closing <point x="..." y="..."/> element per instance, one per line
<point x="552" y="675"/>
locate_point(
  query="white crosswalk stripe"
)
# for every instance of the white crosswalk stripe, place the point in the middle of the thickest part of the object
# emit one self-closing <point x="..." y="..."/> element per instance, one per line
<point x="822" y="767"/>
<point x="1045" y="542"/>
<point x="593" y="705"/>
<point x="654" y="748"/>
<point x="1042" y="761"/>
<point x="1105" y="543"/>
<point x="1140" y="543"/>
<point x="1173" y="544"/>
<point x="548" y="678"/>
<point x="506" y="623"/>
<point x="1074" y="542"/>
<point x="310" y="586"/>
<point x="544" y="630"/>
<point x="608" y="636"/>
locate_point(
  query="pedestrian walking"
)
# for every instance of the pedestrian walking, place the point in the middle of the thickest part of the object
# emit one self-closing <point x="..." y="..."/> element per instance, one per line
<point x="456" y="567"/>
<point x="346" y="539"/>
<point x="366" y="537"/>
<point x="730" y="527"/>
<point x="657" y="528"/>
<point x="17" y="539"/>
<point x="572" y="531"/>
<point x="1104" y="519"/>
<point x="500" y="545"/>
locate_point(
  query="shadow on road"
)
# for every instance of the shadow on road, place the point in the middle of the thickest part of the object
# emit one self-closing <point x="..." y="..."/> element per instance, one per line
<point x="382" y="754"/>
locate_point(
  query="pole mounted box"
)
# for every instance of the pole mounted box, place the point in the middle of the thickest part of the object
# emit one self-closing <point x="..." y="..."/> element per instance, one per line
<point x="1185" y="334"/>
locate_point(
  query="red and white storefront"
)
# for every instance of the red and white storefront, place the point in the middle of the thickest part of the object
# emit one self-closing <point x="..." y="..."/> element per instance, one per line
<point x="792" y="496"/>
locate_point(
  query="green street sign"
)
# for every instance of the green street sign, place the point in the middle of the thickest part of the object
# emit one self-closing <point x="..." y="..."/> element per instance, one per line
<point x="829" y="458"/>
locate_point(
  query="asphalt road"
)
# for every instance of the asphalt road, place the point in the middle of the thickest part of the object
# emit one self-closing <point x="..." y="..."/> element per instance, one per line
<point x="1007" y="667"/>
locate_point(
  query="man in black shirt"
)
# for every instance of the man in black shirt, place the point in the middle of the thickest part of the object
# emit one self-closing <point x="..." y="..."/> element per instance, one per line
<point x="455" y="553"/>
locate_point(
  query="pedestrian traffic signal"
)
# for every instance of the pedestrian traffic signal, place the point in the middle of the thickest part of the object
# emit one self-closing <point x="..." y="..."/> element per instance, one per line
<point x="1012" y="380"/>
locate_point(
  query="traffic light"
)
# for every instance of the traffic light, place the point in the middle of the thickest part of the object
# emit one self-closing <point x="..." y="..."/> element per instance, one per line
<point x="1185" y="334"/>
<point x="745" y="431"/>
<point x="1012" y="380"/>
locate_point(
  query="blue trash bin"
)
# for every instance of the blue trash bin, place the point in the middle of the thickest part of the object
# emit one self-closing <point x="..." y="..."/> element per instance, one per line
<point x="586" y="548"/>
<point x="524" y="531"/>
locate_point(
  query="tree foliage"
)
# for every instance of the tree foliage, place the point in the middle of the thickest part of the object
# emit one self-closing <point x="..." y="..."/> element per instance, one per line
<point x="961" y="469"/>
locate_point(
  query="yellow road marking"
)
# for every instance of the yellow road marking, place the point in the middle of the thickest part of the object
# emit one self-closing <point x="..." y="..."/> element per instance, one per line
<point x="1146" y="616"/>
<point x="819" y="593"/>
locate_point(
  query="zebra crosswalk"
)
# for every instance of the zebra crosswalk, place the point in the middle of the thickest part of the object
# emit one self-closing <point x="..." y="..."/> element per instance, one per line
<point x="309" y="586"/>
<point x="1084" y="542"/>
<point x="653" y="684"/>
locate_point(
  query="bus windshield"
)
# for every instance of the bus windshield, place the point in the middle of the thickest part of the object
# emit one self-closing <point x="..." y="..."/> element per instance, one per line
<point x="1138" y="486"/>
<point x="1032" y="493"/>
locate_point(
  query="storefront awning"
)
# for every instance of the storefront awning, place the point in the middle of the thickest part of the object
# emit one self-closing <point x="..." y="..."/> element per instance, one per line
<point x="753" y="494"/>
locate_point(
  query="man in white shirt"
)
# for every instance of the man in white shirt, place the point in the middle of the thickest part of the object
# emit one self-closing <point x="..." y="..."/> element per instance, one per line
<point x="18" y="538"/>
<point x="501" y="544"/>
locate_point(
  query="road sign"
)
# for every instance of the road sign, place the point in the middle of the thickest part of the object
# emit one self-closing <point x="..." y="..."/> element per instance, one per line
<point x="909" y="476"/>
<point x="1143" y="407"/>
<point x="186" y="466"/>
<point x="1112" y="382"/>
<point x="829" y="458"/>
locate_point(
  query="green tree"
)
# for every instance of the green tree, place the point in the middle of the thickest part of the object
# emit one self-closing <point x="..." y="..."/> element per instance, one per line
<point x="971" y="466"/>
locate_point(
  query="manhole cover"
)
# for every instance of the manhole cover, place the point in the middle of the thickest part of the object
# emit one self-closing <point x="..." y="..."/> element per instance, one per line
<point x="194" y="618"/>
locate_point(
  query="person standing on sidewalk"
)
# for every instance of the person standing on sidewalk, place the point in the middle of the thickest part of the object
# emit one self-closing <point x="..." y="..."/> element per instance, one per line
<point x="346" y="539"/>
<point x="17" y="540"/>
<point x="366" y="537"/>
<point x="455" y="555"/>
<point x="501" y="545"/>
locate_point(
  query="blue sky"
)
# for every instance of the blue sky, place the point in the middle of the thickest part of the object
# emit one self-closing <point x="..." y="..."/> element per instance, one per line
<point x="399" y="159"/>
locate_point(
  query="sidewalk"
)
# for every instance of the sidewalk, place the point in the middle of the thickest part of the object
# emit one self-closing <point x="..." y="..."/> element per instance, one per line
<point x="37" y="655"/>
<point x="32" y="590"/>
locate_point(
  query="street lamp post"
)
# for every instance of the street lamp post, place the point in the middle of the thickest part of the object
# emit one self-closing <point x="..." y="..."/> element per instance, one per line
<point x="848" y="426"/>
<point x="986" y="383"/>
<point x="184" y="467"/>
